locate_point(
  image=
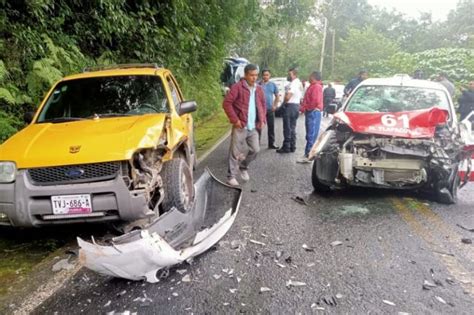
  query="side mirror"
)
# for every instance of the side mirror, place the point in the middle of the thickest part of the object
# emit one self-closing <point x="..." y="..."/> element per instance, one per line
<point x="28" y="117"/>
<point x="187" y="107"/>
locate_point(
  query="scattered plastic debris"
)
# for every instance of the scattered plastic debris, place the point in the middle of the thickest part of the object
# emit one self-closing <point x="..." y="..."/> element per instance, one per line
<point x="328" y="300"/>
<point x="465" y="228"/>
<point x="226" y="304"/>
<point x="257" y="242"/>
<point x="310" y="264"/>
<point x="299" y="200"/>
<point x="63" y="264"/>
<point x="186" y="278"/>
<point x="281" y="265"/>
<point x="264" y="289"/>
<point x="122" y="293"/>
<point x="233" y="290"/>
<point x="108" y="303"/>
<point x="181" y="271"/>
<point x="175" y="294"/>
<point x="290" y="283"/>
<point x="450" y="281"/>
<point x="288" y="260"/>
<point x="339" y="296"/>
<point x="264" y="235"/>
<point x="440" y="299"/>
<point x="253" y="190"/>
<point x="427" y="285"/>
<point x="336" y="243"/>
<point x="389" y="302"/>
<point x="279" y="253"/>
<point x="217" y="277"/>
<point x="308" y="248"/>
<point x="466" y="241"/>
<point x="238" y="279"/>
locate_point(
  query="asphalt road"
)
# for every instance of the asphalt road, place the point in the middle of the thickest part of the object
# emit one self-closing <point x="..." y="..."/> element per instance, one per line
<point x="370" y="251"/>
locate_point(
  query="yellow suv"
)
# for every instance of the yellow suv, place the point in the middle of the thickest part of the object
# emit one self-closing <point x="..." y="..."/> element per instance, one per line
<point x="109" y="144"/>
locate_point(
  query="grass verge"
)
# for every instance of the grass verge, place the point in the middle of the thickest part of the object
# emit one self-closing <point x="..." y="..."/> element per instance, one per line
<point x="209" y="131"/>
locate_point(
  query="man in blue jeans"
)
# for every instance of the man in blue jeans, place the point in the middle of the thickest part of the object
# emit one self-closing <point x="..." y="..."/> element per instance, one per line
<point x="271" y="100"/>
<point x="312" y="107"/>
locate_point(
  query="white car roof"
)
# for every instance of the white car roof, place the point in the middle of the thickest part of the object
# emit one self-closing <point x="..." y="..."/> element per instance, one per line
<point x="404" y="80"/>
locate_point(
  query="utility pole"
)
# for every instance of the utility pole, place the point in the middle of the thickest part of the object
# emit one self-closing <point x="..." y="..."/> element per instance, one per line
<point x="333" y="53"/>
<point x="323" y="45"/>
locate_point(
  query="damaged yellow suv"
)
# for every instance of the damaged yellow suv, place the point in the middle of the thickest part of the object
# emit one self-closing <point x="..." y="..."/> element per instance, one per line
<point x="109" y="144"/>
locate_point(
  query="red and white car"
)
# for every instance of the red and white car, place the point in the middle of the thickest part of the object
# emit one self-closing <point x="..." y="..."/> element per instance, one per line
<point x="395" y="133"/>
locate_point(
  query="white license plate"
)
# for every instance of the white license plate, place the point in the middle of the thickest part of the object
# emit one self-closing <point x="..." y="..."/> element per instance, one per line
<point x="71" y="204"/>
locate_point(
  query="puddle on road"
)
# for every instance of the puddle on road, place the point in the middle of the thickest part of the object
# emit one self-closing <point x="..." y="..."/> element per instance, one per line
<point x="352" y="210"/>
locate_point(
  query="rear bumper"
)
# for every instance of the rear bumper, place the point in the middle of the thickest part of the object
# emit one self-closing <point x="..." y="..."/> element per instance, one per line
<point x="24" y="204"/>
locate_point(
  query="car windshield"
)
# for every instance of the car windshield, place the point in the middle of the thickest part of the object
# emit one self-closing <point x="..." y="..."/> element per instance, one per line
<point x="395" y="99"/>
<point x="104" y="97"/>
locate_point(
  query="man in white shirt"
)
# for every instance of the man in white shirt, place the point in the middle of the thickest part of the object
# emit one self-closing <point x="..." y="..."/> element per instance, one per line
<point x="291" y="112"/>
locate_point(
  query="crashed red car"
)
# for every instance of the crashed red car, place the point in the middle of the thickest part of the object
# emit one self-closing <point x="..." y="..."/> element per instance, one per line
<point x="395" y="133"/>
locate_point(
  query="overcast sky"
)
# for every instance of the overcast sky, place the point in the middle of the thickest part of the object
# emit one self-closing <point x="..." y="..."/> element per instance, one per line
<point x="412" y="8"/>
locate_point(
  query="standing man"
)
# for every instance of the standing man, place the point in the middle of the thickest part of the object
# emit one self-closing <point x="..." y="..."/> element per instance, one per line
<point x="312" y="106"/>
<point x="363" y="75"/>
<point x="443" y="80"/>
<point x="329" y="94"/>
<point x="271" y="99"/>
<point x="466" y="101"/>
<point x="244" y="105"/>
<point x="290" y="113"/>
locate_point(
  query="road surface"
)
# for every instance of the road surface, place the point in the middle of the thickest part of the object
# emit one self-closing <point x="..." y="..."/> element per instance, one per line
<point x="351" y="252"/>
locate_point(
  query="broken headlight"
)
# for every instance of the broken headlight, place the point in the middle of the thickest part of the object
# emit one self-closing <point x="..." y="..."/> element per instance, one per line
<point x="7" y="172"/>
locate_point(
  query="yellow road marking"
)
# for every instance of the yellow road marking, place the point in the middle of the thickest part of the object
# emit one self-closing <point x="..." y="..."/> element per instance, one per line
<point x="454" y="267"/>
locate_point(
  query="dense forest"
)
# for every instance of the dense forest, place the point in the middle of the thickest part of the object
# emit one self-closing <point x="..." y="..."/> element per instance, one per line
<point x="43" y="40"/>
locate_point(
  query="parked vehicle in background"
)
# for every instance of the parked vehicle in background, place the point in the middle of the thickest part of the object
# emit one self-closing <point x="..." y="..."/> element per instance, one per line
<point x="233" y="72"/>
<point x="395" y="133"/>
<point x="282" y="83"/>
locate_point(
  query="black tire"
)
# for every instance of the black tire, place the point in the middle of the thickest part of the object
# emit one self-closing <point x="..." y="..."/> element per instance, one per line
<point x="449" y="195"/>
<point x="317" y="185"/>
<point x="178" y="185"/>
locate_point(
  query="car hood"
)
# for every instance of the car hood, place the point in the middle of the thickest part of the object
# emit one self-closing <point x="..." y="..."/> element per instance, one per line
<point x="409" y="124"/>
<point x="81" y="142"/>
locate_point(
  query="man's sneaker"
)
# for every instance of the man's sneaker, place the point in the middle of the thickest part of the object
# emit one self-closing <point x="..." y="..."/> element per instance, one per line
<point x="232" y="182"/>
<point x="273" y="147"/>
<point x="303" y="160"/>
<point x="244" y="175"/>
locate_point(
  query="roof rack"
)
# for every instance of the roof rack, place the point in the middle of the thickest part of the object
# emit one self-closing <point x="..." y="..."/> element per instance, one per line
<point x="122" y="66"/>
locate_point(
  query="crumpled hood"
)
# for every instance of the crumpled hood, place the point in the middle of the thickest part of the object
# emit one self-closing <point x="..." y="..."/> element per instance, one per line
<point x="410" y="124"/>
<point x="97" y="140"/>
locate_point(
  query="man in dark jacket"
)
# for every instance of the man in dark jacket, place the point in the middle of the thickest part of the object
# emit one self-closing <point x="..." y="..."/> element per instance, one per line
<point x="363" y="74"/>
<point x="466" y="101"/>
<point x="329" y="94"/>
<point x="244" y="105"/>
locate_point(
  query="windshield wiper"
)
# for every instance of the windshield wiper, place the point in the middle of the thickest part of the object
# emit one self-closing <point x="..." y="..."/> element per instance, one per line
<point x="61" y="119"/>
<point x="109" y="115"/>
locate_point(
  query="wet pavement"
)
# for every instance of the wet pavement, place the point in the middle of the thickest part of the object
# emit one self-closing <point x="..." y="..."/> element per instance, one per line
<point x="350" y="252"/>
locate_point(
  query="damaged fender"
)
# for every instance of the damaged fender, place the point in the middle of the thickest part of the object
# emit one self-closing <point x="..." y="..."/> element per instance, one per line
<point x="171" y="239"/>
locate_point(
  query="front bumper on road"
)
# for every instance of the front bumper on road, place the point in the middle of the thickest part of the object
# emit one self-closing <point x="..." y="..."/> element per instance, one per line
<point x="173" y="238"/>
<point x="24" y="204"/>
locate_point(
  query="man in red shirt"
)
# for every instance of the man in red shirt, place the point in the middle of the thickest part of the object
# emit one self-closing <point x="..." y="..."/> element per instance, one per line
<point x="245" y="107"/>
<point x="312" y="107"/>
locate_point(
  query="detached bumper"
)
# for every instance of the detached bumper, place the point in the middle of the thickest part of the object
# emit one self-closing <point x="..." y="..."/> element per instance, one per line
<point x="171" y="239"/>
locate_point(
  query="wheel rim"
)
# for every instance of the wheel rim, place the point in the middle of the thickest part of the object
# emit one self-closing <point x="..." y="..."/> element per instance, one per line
<point x="187" y="188"/>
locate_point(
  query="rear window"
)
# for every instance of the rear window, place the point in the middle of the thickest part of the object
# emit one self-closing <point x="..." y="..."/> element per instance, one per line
<point x="396" y="99"/>
<point x="105" y="96"/>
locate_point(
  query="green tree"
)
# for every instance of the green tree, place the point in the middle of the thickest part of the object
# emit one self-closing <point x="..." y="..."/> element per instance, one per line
<point x="360" y="49"/>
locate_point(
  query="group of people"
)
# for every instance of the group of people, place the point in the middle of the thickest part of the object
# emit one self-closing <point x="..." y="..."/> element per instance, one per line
<point x="250" y="105"/>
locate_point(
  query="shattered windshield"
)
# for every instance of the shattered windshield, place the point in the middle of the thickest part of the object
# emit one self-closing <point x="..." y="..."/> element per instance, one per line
<point x="105" y="97"/>
<point x="396" y="99"/>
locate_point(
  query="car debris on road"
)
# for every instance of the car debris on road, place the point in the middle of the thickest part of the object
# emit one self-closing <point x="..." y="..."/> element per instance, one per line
<point x="172" y="239"/>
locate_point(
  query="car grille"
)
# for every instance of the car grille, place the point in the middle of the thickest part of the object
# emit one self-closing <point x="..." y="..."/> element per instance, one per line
<point x="72" y="174"/>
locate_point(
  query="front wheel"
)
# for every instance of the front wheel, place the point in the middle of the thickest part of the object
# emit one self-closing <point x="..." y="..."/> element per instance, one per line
<point x="448" y="194"/>
<point x="317" y="184"/>
<point x="177" y="185"/>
